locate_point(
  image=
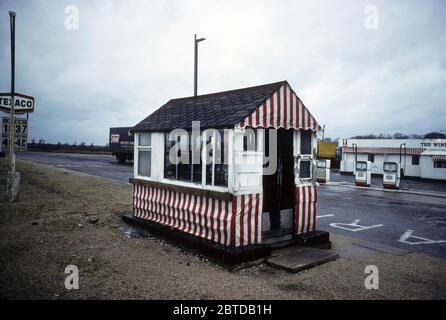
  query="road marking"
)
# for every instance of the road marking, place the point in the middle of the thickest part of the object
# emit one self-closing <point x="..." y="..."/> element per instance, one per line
<point x="354" y="226"/>
<point x="66" y="165"/>
<point x="77" y="166"/>
<point x="408" y="234"/>
<point x="325" y="216"/>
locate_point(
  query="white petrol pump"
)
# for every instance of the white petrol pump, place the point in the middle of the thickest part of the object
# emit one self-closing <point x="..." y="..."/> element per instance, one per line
<point x="391" y="175"/>
<point x="362" y="170"/>
<point x="363" y="173"/>
<point x="323" y="170"/>
<point x="392" y="171"/>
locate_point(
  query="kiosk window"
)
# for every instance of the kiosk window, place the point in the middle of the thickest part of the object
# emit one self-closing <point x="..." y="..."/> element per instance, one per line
<point x="305" y="142"/>
<point x="184" y="171"/>
<point x="178" y="171"/>
<point x="371" y="158"/>
<point x="196" y="158"/>
<point x="221" y="166"/>
<point x="209" y="142"/>
<point x="415" y="160"/>
<point x="249" y="140"/>
<point x="305" y="169"/>
<point x="216" y="172"/>
<point x="306" y="156"/>
<point x="144" y="154"/>
<point x="170" y="169"/>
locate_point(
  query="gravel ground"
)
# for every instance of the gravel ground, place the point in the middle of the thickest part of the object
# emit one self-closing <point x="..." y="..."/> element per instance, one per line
<point x="65" y="217"/>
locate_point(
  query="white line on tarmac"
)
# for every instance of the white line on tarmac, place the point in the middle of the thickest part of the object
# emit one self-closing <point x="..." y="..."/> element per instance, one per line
<point x="408" y="234"/>
<point x="77" y="166"/>
<point x="325" y="216"/>
<point x="66" y="165"/>
<point x="354" y="226"/>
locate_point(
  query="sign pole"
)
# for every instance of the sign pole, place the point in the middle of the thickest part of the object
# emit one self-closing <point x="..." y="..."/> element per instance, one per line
<point x="13" y="183"/>
<point x="12" y="120"/>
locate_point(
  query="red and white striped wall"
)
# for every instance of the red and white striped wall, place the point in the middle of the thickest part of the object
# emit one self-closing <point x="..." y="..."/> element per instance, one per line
<point x="247" y="219"/>
<point x="306" y="209"/>
<point x="283" y="109"/>
<point x="235" y="222"/>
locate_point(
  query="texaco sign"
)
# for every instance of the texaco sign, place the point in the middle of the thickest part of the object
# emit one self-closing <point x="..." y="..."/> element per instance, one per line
<point x="22" y="103"/>
<point x="20" y="134"/>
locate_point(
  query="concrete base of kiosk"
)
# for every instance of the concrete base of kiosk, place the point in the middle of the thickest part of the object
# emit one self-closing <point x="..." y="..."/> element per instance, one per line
<point x="300" y="258"/>
<point x="228" y="255"/>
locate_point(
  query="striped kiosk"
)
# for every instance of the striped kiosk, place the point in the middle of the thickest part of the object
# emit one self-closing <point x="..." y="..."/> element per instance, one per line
<point x="231" y="172"/>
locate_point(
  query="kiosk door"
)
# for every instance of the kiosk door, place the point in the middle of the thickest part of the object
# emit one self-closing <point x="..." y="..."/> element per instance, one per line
<point x="278" y="190"/>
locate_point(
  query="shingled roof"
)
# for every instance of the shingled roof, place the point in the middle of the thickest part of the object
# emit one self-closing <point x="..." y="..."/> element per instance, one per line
<point x="216" y="110"/>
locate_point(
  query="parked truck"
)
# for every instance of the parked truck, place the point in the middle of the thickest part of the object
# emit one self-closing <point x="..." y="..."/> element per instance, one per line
<point x="121" y="143"/>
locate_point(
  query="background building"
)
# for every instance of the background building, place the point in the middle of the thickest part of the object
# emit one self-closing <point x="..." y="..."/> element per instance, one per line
<point x="423" y="158"/>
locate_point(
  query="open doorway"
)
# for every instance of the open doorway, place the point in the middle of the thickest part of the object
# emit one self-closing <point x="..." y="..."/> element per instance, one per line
<point x="279" y="191"/>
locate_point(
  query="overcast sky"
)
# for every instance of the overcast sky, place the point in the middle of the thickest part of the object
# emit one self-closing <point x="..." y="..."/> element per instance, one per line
<point x="127" y="58"/>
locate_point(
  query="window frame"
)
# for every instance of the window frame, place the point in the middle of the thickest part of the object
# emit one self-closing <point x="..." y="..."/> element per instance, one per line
<point x="142" y="148"/>
<point x="310" y="157"/>
<point x="202" y="154"/>
<point x="438" y="166"/>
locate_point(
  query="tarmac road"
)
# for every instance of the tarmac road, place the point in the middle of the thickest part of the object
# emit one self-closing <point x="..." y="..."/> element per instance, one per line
<point x="384" y="217"/>
<point x="96" y="164"/>
<point x="388" y="216"/>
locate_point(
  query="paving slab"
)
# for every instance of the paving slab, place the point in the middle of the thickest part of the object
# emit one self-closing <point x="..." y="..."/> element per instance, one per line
<point x="301" y="258"/>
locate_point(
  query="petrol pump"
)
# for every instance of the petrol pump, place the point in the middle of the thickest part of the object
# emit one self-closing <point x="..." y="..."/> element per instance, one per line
<point x="362" y="170"/>
<point x="363" y="173"/>
<point x="323" y="171"/>
<point x="392" y="171"/>
<point x="391" y="175"/>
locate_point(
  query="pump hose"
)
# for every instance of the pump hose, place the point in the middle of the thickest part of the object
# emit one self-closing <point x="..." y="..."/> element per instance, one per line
<point x="403" y="178"/>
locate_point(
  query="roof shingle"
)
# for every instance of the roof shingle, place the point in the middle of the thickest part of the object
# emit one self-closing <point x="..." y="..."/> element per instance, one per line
<point x="216" y="110"/>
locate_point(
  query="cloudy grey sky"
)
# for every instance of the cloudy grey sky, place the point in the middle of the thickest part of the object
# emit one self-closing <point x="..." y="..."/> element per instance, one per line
<point x="127" y="58"/>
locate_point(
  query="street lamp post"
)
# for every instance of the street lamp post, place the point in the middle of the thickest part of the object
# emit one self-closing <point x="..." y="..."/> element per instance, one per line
<point x="196" y="62"/>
